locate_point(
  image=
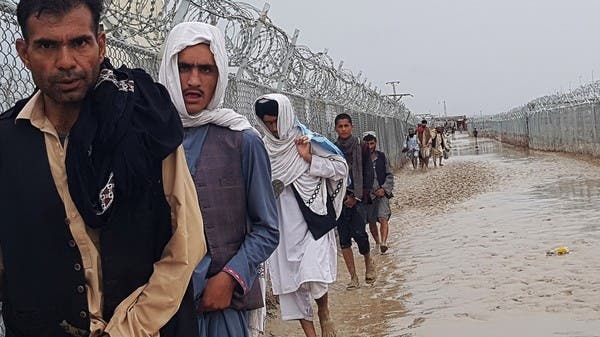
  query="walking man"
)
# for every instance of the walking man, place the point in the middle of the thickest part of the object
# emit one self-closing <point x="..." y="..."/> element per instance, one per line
<point x="438" y="145"/>
<point x="312" y="177"/>
<point x="232" y="174"/>
<point x="383" y="184"/>
<point x="411" y="145"/>
<point x="352" y="221"/>
<point x="100" y="229"/>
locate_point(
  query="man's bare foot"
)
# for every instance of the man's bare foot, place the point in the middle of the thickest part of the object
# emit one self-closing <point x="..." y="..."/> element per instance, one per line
<point x="354" y="284"/>
<point x="371" y="270"/>
<point x="327" y="326"/>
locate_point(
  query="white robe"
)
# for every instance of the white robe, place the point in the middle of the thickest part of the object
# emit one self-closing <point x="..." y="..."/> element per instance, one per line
<point x="300" y="258"/>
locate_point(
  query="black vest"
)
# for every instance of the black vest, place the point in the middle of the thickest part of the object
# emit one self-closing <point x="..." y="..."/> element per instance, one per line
<point x="43" y="282"/>
<point x="222" y="195"/>
<point x="380" y="168"/>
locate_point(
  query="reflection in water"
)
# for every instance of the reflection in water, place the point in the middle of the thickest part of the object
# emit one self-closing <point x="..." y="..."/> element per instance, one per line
<point x="581" y="192"/>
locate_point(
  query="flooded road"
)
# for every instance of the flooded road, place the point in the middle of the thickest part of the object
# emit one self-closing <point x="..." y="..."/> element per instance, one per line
<point x="479" y="268"/>
<point x="468" y="251"/>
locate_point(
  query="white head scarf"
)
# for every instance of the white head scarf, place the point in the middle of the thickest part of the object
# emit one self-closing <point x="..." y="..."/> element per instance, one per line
<point x="366" y="133"/>
<point x="190" y="34"/>
<point x="287" y="165"/>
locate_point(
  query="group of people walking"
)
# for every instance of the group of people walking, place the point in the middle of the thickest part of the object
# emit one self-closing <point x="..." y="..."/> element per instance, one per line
<point x="425" y="143"/>
<point x="136" y="208"/>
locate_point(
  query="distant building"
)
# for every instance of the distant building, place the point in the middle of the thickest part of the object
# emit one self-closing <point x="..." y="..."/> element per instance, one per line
<point x="458" y="122"/>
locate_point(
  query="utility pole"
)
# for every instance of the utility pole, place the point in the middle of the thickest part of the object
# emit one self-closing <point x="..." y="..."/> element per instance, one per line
<point x="445" y="113"/>
<point x="393" y="83"/>
<point x="482" y="120"/>
<point x="396" y="95"/>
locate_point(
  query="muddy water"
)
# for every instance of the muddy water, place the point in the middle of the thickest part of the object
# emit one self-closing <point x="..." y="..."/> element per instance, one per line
<point x="468" y="251"/>
<point x="479" y="268"/>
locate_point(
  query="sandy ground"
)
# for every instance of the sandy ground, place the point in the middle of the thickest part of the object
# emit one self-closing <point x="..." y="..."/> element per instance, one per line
<point x="467" y="256"/>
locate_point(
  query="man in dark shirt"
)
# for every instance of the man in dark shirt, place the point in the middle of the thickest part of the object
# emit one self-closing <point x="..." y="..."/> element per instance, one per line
<point x="352" y="221"/>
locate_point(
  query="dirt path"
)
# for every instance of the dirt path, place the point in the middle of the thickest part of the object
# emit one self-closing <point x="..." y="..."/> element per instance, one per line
<point x="467" y="257"/>
<point x="370" y="310"/>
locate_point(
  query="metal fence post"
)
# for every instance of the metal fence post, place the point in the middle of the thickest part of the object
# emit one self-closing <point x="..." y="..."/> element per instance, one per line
<point x="255" y="33"/>
<point x="287" y="60"/>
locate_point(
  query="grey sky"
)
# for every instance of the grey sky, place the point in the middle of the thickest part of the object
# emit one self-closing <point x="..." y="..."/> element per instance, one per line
<point x="474" y="54"/>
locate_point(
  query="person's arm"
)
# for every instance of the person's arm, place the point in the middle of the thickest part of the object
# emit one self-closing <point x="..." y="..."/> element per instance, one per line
<point x="1" y="276"/>
<point x="327" y="165"/>
<point x="151" y="306"/>
<point x="388" y="185"/>
<point x="261" y="209"/>
<point x="368" y="173"/>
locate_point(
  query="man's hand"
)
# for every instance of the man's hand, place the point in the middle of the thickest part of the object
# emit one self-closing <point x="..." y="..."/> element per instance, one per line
<point x="303" y="147"/>
<point x="350" y="202"/>
<point x="380" y="192"/>
<point x="218" y="292"/>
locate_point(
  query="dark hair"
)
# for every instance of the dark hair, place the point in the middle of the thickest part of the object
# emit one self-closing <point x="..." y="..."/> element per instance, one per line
<point x="342" y="116"/>
<point x="27" y="8"/>
<point x="266" y="107"/>
<point x="424" y="121"/>
<point x="369" y="137"/>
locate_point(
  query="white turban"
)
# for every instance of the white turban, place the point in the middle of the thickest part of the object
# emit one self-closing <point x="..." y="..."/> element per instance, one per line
<point x="287" y="165"/>
<point x="366" y="133"/>
<point x="190" y="34"/>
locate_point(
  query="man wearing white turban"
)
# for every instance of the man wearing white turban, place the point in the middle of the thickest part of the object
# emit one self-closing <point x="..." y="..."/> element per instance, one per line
<point x="232" y="174"/>
<point x="310" y="172"/>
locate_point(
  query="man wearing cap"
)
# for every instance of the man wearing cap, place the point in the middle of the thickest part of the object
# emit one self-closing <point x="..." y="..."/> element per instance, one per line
<point x="379" y="210"/>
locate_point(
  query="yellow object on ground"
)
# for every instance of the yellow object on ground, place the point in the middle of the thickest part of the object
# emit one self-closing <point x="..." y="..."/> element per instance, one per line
<point x="558" y="251"/>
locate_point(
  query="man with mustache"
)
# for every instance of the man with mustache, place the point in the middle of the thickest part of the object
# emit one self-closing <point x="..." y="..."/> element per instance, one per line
<point x="100" y="229"/>
<point x="232" y="173"/>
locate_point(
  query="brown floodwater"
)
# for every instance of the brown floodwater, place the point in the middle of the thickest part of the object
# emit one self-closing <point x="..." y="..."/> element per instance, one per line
<point x="468" y="250"/>
<point x="479" y="268"/>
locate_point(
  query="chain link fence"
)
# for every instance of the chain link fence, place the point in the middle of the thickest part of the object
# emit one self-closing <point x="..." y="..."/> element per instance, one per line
<point x="264" y="59"/>
<point x="565" y="122"/>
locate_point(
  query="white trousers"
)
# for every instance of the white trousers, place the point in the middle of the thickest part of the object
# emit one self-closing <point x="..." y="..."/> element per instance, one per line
<point x="298" y="305"/>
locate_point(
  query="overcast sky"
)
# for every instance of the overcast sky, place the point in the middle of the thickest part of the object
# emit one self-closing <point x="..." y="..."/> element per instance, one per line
<point x="477" y="55"/>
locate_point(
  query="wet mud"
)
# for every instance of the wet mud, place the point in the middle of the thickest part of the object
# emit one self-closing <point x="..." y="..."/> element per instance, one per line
<point x="468" y="246"/>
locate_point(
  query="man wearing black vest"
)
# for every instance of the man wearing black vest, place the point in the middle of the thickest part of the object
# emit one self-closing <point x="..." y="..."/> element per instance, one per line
<point x="383" y="184"/>
<point x="100" y="228"/>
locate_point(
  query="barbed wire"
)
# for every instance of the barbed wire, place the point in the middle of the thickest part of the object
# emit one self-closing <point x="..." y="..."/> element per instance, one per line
<point x="261" y="51"/>
<point x="585" y="94"/>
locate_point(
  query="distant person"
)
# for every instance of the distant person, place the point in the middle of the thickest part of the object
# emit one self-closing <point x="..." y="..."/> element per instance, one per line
<point x="379" y="210"/>
<point x="411" y="147"/>
<point x="475" y="135"/>
<point x="312" y="175"/>
<point x="438" y="145"/>
<point x="352" y="221"/>
<point x="424" y="138"/>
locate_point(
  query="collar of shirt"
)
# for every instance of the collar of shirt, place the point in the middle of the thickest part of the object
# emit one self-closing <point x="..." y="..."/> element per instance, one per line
<point x="34" y="112"/>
